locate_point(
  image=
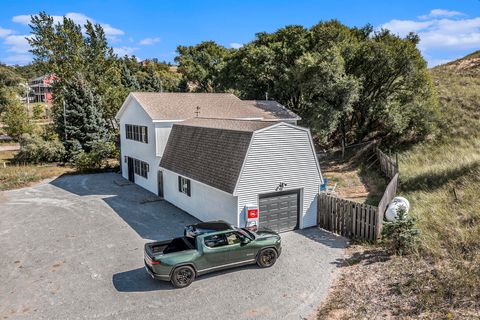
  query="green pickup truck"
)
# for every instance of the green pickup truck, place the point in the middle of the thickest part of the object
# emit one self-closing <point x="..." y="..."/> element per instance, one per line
<point x="207" y="247"/>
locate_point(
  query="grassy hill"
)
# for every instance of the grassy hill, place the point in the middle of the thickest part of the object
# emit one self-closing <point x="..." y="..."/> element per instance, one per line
<point x="441" y="178"/>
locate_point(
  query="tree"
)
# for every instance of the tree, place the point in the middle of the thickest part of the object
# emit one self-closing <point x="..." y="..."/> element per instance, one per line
<point x="15" y="118"/>
<point x="201" y="65"/>
<point x="349" y="84"/>
<point x="65" y="50"/>
<point x="84" y="122"/>
<point x="329" y="93"/>
<point x="9" y="85"/>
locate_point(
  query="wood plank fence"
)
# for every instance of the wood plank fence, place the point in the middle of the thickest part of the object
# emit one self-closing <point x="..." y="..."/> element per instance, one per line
<point x="347" y="218"/>
<point x="387" y="165"/>
<point x="358" y="220"/>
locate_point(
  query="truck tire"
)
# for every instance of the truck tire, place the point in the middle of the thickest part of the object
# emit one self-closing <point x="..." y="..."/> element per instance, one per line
<point x="267" y="258"/>
<point x="182" y="276"/>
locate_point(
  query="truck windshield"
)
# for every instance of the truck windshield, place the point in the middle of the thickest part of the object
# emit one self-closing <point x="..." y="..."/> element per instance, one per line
<point x="246" y="233"/>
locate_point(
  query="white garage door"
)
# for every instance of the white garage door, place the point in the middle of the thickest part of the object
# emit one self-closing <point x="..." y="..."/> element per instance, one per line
<point x="279" y="211"/>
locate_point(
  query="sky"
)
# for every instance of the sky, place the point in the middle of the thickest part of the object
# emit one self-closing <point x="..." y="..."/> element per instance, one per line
<point x="153" y="29"/>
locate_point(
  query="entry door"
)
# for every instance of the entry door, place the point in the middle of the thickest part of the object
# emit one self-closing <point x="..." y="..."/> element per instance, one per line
<point x="160" y="184"/>
<point x="131" y="172"/>
<point x="279" y="211"/>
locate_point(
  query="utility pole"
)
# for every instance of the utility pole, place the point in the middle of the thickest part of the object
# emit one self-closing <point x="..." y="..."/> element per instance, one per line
<point x="65" y="120"/>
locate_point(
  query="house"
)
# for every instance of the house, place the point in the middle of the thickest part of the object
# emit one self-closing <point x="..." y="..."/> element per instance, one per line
<point x="41" y="89"/>
<point x="219" y="169"/>
<point x="146" y="119"/>
<point x="219" y="157"/>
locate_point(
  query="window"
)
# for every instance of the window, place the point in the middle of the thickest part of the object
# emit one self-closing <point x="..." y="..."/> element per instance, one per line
<point x="137" y="133"/>
<point x="141" y="168"/>
<point x="184" y="185"/>
<point x="216" y="240"/>
<point x="233" y="238"/>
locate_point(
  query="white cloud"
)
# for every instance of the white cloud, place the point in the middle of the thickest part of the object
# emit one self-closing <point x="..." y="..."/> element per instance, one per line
<point x="149" y="41"/>
<point x="78" y="18"/>
<point x="235" y="45"/>
<point x="23" y="19"/>
<point x="449" y="34"/>
<point x="121" y="51"/>
<point x="17" y="43"/>
<point x="5" y="32"/>
<point x="436" y="13"/>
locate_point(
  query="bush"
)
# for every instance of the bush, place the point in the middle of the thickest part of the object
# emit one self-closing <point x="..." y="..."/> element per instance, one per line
<point x="15" y="118"/>
<point x="97" y="158"/>
<point x="401" y="236"/>
<point x="38" y="111"/>
<point x="34" y="149"/>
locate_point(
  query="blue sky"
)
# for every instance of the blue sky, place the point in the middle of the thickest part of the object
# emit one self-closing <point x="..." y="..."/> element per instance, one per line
<point x="149" y="29"/>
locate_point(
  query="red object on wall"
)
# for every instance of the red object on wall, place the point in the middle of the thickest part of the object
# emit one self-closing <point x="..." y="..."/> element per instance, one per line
<point x="252" y="214"/>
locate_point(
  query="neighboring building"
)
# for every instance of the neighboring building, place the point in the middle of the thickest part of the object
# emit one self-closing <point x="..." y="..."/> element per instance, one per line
<point x="41" y="89"/>
<point x="146" y="121"/>
<point x="216" y="169"/>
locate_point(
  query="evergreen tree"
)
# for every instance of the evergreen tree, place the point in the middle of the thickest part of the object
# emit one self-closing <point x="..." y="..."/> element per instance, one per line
<point x="151" y="82"/>
<point x="83" y="122"/>
<point x="129" y="80"/>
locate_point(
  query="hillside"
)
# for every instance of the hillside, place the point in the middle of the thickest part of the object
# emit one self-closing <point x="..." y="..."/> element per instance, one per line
<point x="441" y="178"/>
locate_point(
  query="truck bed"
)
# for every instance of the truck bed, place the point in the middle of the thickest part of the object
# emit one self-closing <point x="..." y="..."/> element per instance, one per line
<point x="169" y="246"/>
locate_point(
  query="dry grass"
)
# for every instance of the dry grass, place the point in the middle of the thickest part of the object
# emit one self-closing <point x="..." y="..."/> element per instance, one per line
<point x="441" y="178"/>
<point x="18" y="176"/>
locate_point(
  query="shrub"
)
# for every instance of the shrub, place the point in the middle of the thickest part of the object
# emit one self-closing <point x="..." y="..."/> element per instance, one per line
<point x="34" y="149"/>
<point x="401" y="236"/>
<point x="15" y="118"/>
<point x="38" y="111"/>
<point x="100" y="152"/>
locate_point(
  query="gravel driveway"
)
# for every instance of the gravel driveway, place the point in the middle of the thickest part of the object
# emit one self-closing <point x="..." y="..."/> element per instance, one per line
<point x="73" y="249"/>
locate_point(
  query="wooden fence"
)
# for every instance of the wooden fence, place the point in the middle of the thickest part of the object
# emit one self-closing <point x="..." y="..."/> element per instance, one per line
<point x="347" y="218"/>
<point x="387" y="165"/>
<point x="358" y="220"/>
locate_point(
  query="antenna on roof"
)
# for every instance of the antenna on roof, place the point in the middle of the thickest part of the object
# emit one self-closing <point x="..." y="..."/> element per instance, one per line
<point x="266" y="95"/>
<point x="197" y="112"/>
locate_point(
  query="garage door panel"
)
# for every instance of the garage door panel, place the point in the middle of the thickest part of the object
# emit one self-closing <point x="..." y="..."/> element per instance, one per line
<point x="279" y="212"/>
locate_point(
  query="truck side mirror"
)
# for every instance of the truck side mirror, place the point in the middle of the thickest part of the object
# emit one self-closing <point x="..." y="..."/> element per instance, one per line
<point x="245" y="240"/>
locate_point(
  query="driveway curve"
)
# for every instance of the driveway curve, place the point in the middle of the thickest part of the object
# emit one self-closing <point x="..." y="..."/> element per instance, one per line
<point x="73" y="249"/>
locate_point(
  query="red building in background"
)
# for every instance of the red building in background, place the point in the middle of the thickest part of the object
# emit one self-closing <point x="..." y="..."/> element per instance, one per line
<point x="41" y="89"/>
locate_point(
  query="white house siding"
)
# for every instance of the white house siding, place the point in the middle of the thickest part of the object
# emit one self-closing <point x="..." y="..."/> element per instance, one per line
<point x="205" y="203"/>
<point x="162" y="132"/>
<point x="280" y="154"/>
<point x="134" y="114"/>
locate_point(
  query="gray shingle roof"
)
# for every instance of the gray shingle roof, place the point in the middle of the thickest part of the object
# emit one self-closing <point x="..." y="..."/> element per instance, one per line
<point x="211" y="151"/>
<point x="180" y="106"/>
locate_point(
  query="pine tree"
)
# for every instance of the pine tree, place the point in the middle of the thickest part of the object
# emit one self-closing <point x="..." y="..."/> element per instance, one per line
<point x="129" y="80"/>
<point x="83" y="120"/>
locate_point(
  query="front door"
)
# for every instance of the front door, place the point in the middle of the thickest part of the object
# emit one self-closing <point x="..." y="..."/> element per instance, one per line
<point x="239" y="252"/>
<point x="131" y="172"/>
<point x="160" y="184"/>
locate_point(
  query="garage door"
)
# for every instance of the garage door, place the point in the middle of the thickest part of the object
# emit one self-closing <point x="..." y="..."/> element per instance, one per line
<point x="279" y="211"/>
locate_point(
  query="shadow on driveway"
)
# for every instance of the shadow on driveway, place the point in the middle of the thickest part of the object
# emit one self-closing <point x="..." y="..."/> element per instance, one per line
<point x="158" y="220"/>
<point x="137" y="280"/>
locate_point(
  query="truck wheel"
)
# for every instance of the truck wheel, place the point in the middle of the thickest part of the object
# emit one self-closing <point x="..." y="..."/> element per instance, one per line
<point x="183" y="276"/>
<point x="266" y="258"/>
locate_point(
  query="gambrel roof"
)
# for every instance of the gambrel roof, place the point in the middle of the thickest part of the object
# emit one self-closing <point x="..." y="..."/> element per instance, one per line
<point x="211" y="151"/>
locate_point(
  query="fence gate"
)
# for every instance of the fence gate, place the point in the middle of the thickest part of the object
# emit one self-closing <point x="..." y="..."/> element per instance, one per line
<point x="347" y="218"/>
